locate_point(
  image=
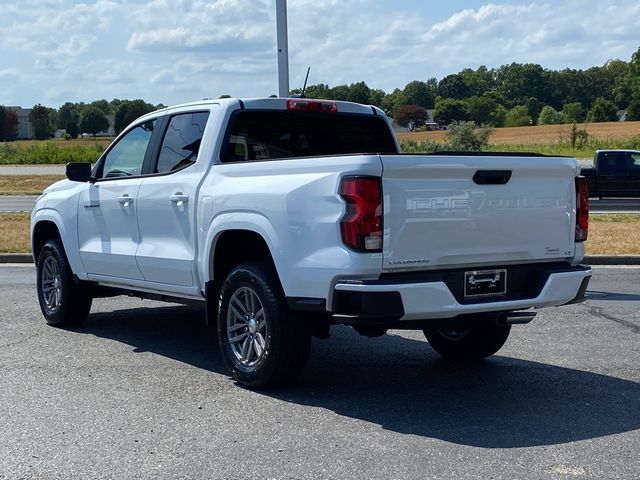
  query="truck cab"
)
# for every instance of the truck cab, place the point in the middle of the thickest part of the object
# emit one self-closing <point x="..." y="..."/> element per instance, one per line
<point x="616" y="173"/>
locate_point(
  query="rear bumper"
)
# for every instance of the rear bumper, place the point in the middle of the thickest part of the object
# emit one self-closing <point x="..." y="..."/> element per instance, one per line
<point x="372" y="302"/>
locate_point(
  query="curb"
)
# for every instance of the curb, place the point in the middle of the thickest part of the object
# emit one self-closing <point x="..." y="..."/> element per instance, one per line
<point x="16" y="258"/>
<point x="612" y="260"/>
<point x="588" y="260"/>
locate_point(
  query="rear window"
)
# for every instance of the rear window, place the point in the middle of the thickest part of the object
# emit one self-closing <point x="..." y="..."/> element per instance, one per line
<point x="266" y="135"/>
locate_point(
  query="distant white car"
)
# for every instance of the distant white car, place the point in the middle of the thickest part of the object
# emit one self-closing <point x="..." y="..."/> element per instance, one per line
<point x="284" y="217"/>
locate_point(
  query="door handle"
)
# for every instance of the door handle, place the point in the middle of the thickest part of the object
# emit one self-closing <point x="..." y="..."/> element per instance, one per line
<point x="125" y="200"/>
<point x="492" y="177"/>
<point x="179" y="198"/>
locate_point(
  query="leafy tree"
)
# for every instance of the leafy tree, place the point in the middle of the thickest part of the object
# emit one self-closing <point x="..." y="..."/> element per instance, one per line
<point x="419" y="93"/>
<point x="376" y="97"/>
<point x="318" y="91"/>
<point x="549" y="116"/>
<point x="633" y="111"/>
<point x="468" y="137"/>
<point x="41" y="122"/>
<point x="115" y="104"/>
<point x="478" y="81"/>
<point x="128" y="111"/>
<point x="573" y="112"/>
<point x="411" y="115"/>
<point x="498" y="117"/>
<point x="359" y="93"/>
<point x="394" y="100"/>
<point x="453" y="86"/>
<point x="340" y="92"/>
<point x="602" y="110"/>
<point x="102" y="105"/>
<point x="517" y="82"/>
<point x="72" y="129"/>
<point x="449" y="110"/>
<point x="93" y="120"/>
<point x="533" y="107"/>
<point x="68" y="112"/>
<point x="8" y="124"/>
<point x="518" y="116"/>
<point x="481" y="109"/>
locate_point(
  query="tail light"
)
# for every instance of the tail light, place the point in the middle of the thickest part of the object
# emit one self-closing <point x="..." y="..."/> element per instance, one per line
<point x="362" y="224"/>
<point x="582" y="209"/>
<point x="304" y="105"/>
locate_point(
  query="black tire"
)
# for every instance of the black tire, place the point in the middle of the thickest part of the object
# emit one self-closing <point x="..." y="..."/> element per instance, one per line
<point x="472" y="343"/>
<point x="73" y="301"/>
<point x="283" y="339"/>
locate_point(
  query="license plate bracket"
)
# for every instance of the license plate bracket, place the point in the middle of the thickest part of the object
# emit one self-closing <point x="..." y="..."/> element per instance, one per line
<point x="485" y="283"/>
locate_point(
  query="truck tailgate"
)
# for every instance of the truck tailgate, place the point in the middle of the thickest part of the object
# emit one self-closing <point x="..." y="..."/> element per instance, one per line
<point x="437" y="215"/>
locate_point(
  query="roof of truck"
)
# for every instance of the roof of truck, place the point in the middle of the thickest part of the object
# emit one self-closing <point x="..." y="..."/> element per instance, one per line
<point x="278" y="104"/>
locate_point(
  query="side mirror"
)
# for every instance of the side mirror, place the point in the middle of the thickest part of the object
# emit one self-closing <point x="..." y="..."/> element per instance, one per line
<point x="78" y="172"/>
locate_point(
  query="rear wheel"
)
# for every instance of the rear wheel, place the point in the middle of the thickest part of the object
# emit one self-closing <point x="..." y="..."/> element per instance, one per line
<point x="468" y="343"/>
<point x="64" y="303"/>
<point x="262" y="344"/>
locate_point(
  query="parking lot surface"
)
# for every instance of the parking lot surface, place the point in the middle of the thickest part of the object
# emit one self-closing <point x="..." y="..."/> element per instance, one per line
<point x="141" y="392"/>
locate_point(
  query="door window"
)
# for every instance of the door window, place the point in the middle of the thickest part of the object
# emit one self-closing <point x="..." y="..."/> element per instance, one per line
<point x="613" y="162"/>
<point x="181" y="143"/>
<point x="634" y="163"/>
<point x="125" y="159"/>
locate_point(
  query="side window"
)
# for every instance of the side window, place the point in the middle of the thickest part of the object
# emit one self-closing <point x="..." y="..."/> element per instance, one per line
<point x="181" y="143"/>
<point x="612" y="162"/>
<point x="126" y="157"/>
<point x="634" y="162"/>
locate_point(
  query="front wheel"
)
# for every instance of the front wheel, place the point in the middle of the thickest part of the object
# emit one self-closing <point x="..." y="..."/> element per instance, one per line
<point x="262" y="344"/>
<point x="468" y="343"/>
<point x="64" y="303"/>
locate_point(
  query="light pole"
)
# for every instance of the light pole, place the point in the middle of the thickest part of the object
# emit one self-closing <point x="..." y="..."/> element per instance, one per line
<point x="283" y="48"/>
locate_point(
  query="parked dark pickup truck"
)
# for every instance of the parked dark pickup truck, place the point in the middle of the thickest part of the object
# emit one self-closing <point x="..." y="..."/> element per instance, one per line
<point x="616" y="173"/>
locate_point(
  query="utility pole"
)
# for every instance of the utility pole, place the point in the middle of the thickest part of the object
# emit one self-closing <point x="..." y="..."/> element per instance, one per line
<point x="283" y="48"/>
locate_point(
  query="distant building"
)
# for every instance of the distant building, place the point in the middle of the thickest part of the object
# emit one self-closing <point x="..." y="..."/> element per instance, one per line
<point x="25" y="130"/>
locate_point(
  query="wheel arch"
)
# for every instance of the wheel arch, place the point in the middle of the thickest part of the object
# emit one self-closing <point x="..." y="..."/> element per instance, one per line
<point x="235" y="246"/>
<point x="48" y="224"/>
<point x="43" y="231"/>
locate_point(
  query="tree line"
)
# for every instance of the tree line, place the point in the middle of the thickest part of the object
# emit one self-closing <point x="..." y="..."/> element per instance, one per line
<point x="511" y="95"/>
<point x="75" y="118"/>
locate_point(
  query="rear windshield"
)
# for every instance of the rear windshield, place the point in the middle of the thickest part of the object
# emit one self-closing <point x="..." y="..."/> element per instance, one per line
<point x="265" y="135"/>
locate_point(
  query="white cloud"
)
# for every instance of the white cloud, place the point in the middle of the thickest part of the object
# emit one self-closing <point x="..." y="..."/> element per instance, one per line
<point x="45" y="31"/>
<point x="200" y="25"/>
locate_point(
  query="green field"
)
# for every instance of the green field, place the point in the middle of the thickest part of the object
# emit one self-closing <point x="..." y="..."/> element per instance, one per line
<point x="33" y="152"/>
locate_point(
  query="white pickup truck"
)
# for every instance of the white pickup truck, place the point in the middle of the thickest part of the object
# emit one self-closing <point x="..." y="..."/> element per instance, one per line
<point x="286" y="216"/>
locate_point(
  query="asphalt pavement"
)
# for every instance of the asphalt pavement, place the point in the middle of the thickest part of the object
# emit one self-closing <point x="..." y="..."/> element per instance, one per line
<point x="17" y="203"/>
<point x="141" y="392"/>
<point x="32" y="169"/>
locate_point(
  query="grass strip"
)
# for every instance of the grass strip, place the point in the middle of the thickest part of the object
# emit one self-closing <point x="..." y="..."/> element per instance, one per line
<point x="15" y="233"/>
<point x="26" y="184"/>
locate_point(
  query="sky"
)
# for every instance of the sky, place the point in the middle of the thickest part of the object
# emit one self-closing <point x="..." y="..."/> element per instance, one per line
<point x="174" y="51"/>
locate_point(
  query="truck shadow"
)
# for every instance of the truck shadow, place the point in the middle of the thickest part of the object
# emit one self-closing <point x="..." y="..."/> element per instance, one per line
<point x="403" y="386"/>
